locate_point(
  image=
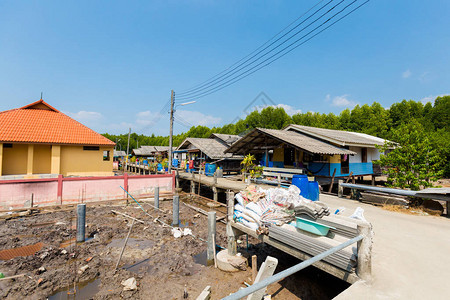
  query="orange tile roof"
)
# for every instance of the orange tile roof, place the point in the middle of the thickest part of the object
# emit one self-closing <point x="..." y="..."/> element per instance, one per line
<point x="39" y="122"/>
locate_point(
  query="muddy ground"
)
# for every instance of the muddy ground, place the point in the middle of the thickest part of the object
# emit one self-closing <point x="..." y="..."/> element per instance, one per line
<point x="164" y="267"/>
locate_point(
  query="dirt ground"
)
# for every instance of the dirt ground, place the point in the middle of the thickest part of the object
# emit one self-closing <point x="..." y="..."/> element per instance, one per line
<point x="164" y="267"/>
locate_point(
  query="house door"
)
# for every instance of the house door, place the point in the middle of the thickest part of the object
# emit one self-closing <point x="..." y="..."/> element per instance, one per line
<point x="345" y="167"/>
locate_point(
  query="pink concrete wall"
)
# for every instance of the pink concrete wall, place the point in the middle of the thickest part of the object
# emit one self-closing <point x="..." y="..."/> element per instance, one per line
<point x="82" y="191"/>
<point x="17" y="193"/>
<point x="139" y="186"/>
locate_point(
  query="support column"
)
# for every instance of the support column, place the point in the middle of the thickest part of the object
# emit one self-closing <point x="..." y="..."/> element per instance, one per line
<point x="30" y="159"/>
<point x="364" y="266"/>
<point x="1" y="158"/>
<point x="56" y="159"/>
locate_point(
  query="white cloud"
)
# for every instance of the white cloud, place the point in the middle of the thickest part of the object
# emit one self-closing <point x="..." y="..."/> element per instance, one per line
<point x="85" y="115"/>
<point x="287" y="108"/>
<point x="340" y="101"/>
<point x="431" y="98"/>
<point x="195" y="118"/>
<point x="406" y="74"/>
<point x="147" y="118"/>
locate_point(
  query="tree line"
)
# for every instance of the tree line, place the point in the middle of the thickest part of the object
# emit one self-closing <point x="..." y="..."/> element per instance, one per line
<point x="430" y="122"/>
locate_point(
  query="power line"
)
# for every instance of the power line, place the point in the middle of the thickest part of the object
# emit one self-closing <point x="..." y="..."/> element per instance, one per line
<point x="246" y="73"/>
<point x="245" y="64"/>
<point x="213" y="86"/>
<point x="268" y="41"/>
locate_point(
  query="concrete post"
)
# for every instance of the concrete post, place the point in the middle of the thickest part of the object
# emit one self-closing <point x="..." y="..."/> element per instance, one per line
<point x="215" y="195"/>
<point x="279" y="180"/>
<point x="211" y="236"/>
<point x="81" y="222"/>
<point x="156" y="197"/>
<point x="232" y="245"/>
<point x="364" y="267"/>
<point x="177" y="180"/>
<point x="340" y="189"/>
<point x="192" y="187"/>
<point x="176" y="210"/>
<point x="215" y="178"/>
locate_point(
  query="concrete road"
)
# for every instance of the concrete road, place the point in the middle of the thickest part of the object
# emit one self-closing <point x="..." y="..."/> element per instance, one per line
<point x="411" y="254"/>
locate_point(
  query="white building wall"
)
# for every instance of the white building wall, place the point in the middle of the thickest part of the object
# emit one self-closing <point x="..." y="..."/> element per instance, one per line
<point x="373" y="154"/>
<point x="357" y="157"/>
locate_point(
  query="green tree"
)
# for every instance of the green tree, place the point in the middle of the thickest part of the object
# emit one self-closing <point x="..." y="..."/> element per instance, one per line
<point x="413" y="162"/>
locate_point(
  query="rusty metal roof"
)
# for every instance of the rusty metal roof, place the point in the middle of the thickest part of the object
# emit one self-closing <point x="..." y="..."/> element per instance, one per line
<point x="261" y="138"/>
<point x="20" y="251"/>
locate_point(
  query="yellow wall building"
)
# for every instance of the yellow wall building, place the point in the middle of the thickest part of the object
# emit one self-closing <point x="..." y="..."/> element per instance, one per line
<point x="38" y="139"/>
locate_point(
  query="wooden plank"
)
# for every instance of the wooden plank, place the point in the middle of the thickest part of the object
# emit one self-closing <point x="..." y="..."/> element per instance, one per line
<point x="284" y="170"/>
<point x="275" y="174"/>
<point x="332" y="181"/>
<point x="205" y="294"/>
<point x="267" y="270"/>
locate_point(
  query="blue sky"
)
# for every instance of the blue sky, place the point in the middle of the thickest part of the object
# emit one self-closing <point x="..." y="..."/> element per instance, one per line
<point x="112" y="64"/>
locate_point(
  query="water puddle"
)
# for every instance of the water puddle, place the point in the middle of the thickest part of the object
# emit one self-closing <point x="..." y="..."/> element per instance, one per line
<point x="20" y="251"/>
<point x="137" y="243"/>
<point x="84" y="290"/>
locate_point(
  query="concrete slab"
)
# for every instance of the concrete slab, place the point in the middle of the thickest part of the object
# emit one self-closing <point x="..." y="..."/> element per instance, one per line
<point x="410" y="254"/>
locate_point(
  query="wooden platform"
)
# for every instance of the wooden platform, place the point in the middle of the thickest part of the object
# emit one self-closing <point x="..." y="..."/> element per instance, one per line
<point x="219" y="183"/>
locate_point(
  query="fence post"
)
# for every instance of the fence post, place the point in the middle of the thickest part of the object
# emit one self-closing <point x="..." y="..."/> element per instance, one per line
<point x="340" y="189"/>
<point x="81" y="222"/>
<point x="60" y="189"/>
<point x="211" y="236"/>
<point x="232" y="245"/>
<point x="125" y="184"/>
<point x="364" y="267"/>
<point x="156" y="197"/>
<point x="176" y="210"/>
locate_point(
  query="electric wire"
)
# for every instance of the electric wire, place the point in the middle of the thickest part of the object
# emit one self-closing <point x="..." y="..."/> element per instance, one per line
<point x="290" y="45"/>
<point x="214" y="78"/>
<point x="240" y="76"/>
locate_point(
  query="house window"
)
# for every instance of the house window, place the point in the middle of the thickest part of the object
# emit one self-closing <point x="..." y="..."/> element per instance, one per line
<point x="364" y="155"/>
<point x="7" y="145"/>
<point x="91" y="148"/>
<point x="106" y="155"/>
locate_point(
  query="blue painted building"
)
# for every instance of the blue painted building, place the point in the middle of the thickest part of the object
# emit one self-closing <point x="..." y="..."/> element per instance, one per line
<point x="321" y="152"/>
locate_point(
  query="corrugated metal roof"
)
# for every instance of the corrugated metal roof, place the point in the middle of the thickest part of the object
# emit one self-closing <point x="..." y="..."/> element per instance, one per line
<point x="228" y="139"/>
<point x="39" y="122"/>
<point x="255" y="138"/>
<point x="150" y="150"/>
<point x="338" y="136"/>
<point x="211" y="147"/>
<point x="119" y="153"/>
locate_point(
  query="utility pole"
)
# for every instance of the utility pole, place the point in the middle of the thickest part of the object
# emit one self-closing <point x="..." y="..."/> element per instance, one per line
<point x="128" y="149"/>
<point x="172" y="101"/>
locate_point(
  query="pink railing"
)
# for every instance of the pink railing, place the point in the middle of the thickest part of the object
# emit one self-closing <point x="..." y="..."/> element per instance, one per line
<point x="58" y="191"/>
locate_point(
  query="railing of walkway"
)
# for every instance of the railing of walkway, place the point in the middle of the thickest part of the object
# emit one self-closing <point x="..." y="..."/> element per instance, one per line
<point x="283" y="274"/>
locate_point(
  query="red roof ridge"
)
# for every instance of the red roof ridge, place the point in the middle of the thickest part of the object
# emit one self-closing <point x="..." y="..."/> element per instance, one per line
<point x="35" y="104"/>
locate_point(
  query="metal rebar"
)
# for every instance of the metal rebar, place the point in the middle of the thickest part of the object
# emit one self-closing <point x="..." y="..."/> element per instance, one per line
<point x="81" y="222"/>
<point x="124" y="245"/>
<point x="283" y="274"/>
